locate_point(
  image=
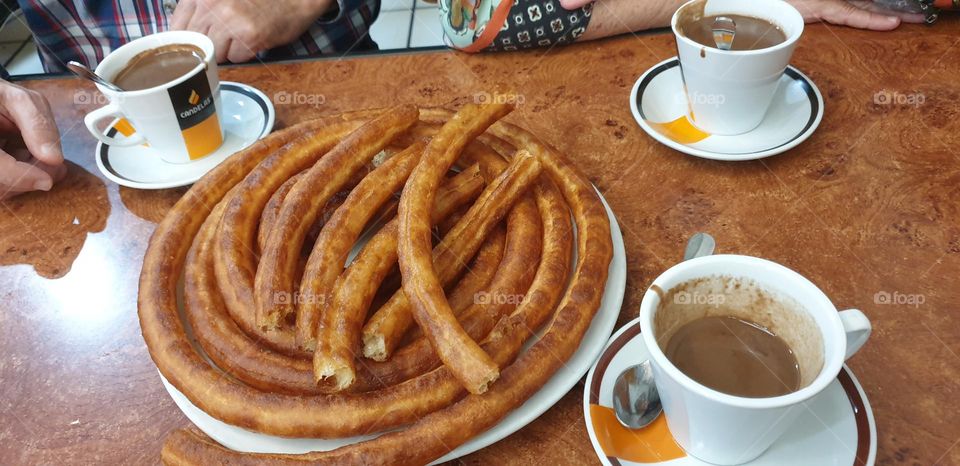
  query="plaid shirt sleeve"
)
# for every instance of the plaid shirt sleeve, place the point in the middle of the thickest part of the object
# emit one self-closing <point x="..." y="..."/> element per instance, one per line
<point x="86" y="31"/>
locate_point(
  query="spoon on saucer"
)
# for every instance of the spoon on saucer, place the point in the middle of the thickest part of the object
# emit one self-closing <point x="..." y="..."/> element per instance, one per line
<point x="80" y="70"/>
<point x="635" y="398"/>
<point x="724" y="30"/>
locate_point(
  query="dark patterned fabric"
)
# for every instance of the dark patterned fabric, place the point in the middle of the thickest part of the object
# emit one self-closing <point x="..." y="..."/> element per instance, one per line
<point x="528" y="23"/>
<point x="540" y="23"/>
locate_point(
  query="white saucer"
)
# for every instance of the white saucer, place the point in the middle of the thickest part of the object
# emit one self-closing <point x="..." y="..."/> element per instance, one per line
<point x="836" y="427"/>
<point x="247" y="116"/>
<point x="658" y="98"/>
<point x="563" y="380"/>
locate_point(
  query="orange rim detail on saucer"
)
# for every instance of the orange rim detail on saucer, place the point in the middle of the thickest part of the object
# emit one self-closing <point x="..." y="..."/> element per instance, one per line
<point x="655" y="444"/>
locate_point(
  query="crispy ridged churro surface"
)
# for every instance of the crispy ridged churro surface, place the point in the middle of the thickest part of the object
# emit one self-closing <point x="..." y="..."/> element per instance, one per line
<point x="462" y="227"/>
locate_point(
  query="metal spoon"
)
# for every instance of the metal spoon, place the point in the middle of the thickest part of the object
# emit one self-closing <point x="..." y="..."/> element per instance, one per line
<point x="80" y="70"/>
<point x="700" y="244"/>
<point x="635" y="397"/>
<point x="724" y="30"/>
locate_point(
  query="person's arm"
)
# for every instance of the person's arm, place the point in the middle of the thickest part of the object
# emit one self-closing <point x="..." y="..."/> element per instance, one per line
<point x="31" y="158"/>
<point x="612" y="17"/>
<point x="861" y="14"/>
<point x="242" y="28"/>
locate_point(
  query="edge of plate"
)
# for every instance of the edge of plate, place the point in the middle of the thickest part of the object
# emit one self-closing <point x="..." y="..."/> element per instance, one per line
<point x="618" y="264"/>
<point x="606" y="321"/>
<point x="586" y="392"/>
<point x="635" y="111"/>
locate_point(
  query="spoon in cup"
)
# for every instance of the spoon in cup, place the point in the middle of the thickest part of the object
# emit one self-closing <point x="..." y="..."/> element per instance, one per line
<point x="635" y="398"/>
<point x="724" y="31"/>
<point x="82" y="71"/>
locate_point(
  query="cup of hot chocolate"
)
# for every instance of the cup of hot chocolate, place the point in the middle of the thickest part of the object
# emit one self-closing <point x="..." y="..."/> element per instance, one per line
<point x="170" y="99"/>
<point x="732" y="54"/>
<point x="737" y="345"/>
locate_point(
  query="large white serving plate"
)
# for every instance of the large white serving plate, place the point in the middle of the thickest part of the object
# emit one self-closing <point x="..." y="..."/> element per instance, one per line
<point x="562" y="381"/>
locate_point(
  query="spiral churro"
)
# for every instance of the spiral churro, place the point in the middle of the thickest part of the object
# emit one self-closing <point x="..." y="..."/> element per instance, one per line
<point x="427" y="391"/>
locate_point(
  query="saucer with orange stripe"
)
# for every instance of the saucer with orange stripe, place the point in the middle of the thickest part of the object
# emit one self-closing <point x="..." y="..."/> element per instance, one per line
<point x="248" y="116"/>
<point x="837" y="426"/>
<point x="659" y="105"/>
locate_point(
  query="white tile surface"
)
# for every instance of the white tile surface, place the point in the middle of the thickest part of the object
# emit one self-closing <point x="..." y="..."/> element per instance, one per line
<point x="26" y="62"/>
<point x="15" y="29"/>
<point x="394" y="5"/>
<point x="425" y="4"/>
<point x="391" y="29"/>
<point x="426" y="28"/>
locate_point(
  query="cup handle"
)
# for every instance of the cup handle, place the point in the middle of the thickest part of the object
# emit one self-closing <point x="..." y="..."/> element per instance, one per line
<point x="857" y="327"/>
<point x="110" y="111"/>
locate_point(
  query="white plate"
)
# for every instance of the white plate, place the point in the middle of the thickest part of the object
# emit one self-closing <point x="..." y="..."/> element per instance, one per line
<point x="658" y="99"/>
<point x="247" y="116"/>
<point x="562" y="381"/>
<point x="836" y="427"/>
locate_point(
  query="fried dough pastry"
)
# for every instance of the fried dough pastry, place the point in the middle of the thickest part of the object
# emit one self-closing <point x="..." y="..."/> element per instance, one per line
<point x="258" y="378"/>
<point x="273" y="285"/>
<point x="250" y="361"/>
<point x="330" y="253"/>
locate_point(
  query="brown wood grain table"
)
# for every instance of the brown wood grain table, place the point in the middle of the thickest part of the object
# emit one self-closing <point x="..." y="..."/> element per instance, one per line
<point x="870" y="204"/>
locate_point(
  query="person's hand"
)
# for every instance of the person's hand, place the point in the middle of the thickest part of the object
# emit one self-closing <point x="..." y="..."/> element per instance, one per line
<point x="860" y="14"/>
<point x="30" y="155"/>
<point x="574" y="4"/>
<point x="242" y="28"/>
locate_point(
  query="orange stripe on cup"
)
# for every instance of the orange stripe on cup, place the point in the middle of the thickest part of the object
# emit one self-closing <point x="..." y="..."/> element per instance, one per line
<point x="126" y="129"/>
<point x="680" y="130"/>
<point x="652" y="444"/>
<point x="203" y="138"/>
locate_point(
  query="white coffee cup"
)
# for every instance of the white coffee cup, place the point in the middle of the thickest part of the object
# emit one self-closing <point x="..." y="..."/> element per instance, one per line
<point x="729" y="91"/>
<point x="724" y="429"/>
<point x="180" y="119"/>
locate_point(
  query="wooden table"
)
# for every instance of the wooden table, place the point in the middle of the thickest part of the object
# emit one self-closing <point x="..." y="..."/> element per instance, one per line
<point x="870" y="204"/>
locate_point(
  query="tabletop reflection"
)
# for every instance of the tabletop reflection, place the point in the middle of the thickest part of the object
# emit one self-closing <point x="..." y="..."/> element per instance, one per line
<point x="47" y="229"/>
